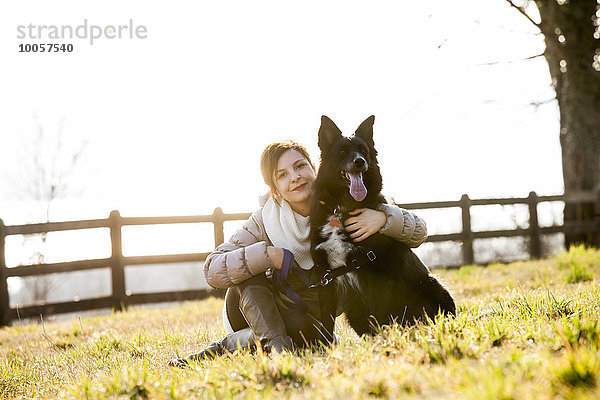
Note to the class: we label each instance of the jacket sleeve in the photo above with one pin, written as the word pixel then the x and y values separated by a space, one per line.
pixel 244 256
pixel 403 225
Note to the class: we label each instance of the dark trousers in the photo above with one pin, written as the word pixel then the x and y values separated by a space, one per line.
pixel 305 328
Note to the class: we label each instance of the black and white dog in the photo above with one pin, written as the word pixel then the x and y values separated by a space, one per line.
pixel 392 284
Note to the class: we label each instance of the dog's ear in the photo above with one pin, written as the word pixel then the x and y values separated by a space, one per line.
pixel 365 130
pixel 328 133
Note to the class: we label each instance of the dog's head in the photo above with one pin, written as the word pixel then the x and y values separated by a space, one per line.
pixel 350 162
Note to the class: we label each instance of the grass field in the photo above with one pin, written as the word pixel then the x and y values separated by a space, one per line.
pixel 524 330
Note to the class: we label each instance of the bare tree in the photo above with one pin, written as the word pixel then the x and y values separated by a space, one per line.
pixel 48 166
pixel 572 35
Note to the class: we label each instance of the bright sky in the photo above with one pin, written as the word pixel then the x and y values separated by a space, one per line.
pixel 175 123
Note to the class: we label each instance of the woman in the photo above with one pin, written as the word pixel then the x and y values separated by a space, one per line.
pixel 252 312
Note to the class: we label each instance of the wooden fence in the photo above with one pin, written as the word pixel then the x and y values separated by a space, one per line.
pixel 117 262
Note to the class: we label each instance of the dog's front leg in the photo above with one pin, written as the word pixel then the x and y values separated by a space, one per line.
pixel 318 252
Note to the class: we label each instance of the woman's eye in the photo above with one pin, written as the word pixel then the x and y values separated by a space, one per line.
pixel 301 165
pixel 281 176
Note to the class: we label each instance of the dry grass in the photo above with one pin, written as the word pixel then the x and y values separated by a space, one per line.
pixel 524 330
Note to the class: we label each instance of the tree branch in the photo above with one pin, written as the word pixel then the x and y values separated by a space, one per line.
pixel 511 61
pixel 538 104
pixel 522 11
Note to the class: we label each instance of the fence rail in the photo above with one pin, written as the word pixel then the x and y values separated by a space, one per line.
pixel 117 262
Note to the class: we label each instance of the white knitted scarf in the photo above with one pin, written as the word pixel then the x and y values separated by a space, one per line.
pixel 289 230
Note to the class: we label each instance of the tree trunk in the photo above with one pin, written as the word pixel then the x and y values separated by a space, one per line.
pixel 573 55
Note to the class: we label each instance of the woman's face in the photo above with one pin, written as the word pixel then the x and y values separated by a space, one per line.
pixel 294 178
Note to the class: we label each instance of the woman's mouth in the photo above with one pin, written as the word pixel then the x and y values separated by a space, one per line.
pixel 299 187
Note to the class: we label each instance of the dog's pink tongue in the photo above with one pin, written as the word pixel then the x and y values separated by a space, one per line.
pixel 358 191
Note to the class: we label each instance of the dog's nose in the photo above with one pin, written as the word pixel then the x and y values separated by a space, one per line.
pixel 359 162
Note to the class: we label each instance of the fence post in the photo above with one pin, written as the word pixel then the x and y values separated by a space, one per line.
pixel 117 268
pixel 467 234
pixel 218 226
pixel 4 298
pixel 534 227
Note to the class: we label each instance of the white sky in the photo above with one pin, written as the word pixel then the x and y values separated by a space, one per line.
pixel 176 122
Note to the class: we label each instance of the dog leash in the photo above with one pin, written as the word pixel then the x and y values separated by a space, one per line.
pixel 280 281
pixel 326 297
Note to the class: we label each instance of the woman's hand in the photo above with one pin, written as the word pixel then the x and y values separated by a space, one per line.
pixel 276 256
pixel 364 222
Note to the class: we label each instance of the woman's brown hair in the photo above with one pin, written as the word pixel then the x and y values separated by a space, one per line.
pixel 270 157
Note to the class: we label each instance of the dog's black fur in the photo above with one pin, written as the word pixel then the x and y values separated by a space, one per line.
pixel 396 286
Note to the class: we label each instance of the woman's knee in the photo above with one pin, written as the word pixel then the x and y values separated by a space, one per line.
pixel 256 280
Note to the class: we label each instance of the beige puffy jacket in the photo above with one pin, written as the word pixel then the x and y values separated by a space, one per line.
pixel 245 254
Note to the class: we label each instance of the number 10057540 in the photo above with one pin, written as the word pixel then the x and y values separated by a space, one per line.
pixel 45 48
